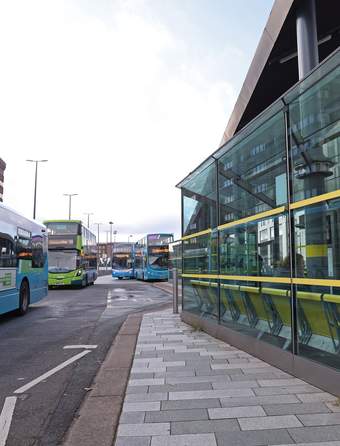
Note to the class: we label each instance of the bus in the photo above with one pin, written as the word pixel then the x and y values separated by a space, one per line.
pixel 152 257
pixel 123 260
pixel 72 254
pixel 23 261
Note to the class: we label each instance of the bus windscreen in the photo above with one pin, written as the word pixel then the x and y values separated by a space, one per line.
pixel 121 261
pixel 62 261
pixel 158 256
pixel 62 228
pixel 159 239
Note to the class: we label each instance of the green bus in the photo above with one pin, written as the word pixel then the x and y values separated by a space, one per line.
pixel 72 254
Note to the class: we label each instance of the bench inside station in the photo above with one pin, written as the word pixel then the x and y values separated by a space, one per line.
pixel 268 309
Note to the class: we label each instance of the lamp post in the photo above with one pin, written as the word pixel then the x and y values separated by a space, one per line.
pixel 35 183
pixel 88 218
pixel 129 238
pixel 69 203
pixel 98 258
pixel 111 247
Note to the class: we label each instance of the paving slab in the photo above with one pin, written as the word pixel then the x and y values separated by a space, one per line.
pixel 189 389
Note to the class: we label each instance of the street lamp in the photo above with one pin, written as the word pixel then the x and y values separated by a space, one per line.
pixel 98 257
pixel 35 183
pixel 111 247
pixel 69 203
pixel 88 218
pixel 129 238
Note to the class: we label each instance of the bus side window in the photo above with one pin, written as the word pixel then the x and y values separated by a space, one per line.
pixel 24 248
pixel 37 252
pixel 7 253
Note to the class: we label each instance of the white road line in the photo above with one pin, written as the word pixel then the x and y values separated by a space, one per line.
pixel 80 346
pixel 6 418
pixel 51 372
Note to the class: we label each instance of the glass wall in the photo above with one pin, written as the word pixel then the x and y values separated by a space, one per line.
pixel 314 129
pixel 201 296
pixel 318 313
pixel 175 257
pixel 200 201
pixel 254 248
pixel 252 174
pixel 258 309
pixel 200 254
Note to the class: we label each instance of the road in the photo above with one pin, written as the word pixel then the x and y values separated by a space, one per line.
pixel 34 344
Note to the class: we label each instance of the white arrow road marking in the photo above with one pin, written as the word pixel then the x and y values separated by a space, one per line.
pixel 51 372
pixel 6 418
pixel 80 346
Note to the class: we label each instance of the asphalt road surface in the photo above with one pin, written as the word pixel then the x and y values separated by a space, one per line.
pixel 33 345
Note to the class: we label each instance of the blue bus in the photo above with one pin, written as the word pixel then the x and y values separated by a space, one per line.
pixel 23 261
pixel 123 260
pixel 152 257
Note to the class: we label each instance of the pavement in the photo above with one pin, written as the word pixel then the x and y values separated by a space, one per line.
pixel 187 388
pixel 43 380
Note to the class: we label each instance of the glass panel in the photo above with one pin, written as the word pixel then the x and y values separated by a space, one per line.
pixel 317 232
pixel 200 254
pixel 315 138
pixel 262 310
pixel 257 248
pixel 63 228
pixel 318 311
pixel 252 174
pixel 158 256
pixel 199 201
pixel 62 261
pixel 200 296
pixel 175 257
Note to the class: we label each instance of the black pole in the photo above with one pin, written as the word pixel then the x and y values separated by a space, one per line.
pixel 307 38
pixel 35 189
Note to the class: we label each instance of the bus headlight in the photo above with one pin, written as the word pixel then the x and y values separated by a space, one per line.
pixel 79 272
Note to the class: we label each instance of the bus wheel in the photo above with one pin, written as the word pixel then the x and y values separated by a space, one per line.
pixel 24 297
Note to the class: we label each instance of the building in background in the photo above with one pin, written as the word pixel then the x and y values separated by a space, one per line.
pixel 2 171
pixel 261 215
pixel 105 254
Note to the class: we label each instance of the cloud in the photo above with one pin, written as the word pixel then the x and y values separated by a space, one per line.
pixel 116 105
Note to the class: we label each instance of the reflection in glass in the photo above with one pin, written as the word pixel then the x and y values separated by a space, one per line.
pixel 199 201
pixel 315 143
pixel 257 248
pixel 317 232
pixel 252 174
pixel 200 254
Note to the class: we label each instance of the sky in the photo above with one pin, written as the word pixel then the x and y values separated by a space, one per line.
pixel 124 98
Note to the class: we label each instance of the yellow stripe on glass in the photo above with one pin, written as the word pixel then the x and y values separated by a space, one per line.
pixel 314 200
pixel 286 280
pixel 259 216
pixel 197 234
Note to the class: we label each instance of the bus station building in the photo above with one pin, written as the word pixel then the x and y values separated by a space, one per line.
pixel 261 215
